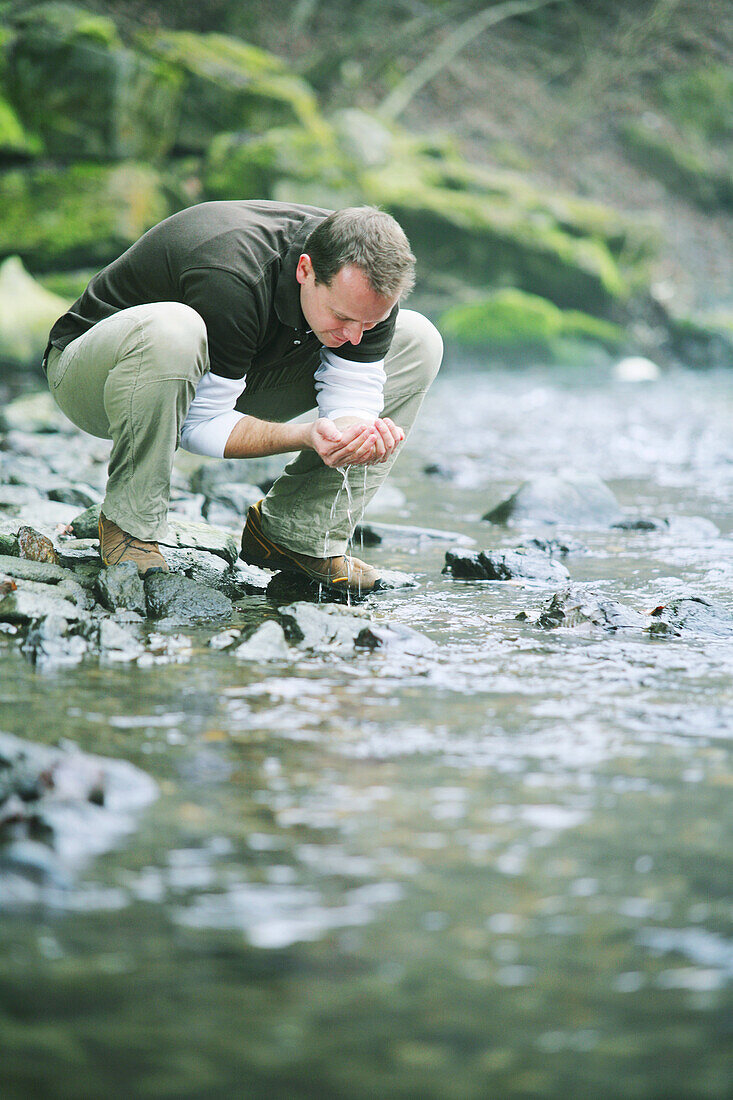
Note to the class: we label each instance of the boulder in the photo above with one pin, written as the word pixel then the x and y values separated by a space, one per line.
pixel 581 501
pixel 170 596
pixel 695 615
pixel 320 628
pixel 87 95
pixel 81 214
pixel 120 586
pixel 228 85
pixel 504 565
pixel 201 536
pixel 581 607
pixel 266 643
pixel 27 312
pixel 53 641
pixel 394 637
pixel 28 604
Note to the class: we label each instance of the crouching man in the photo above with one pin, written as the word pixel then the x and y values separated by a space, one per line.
pixel 215 329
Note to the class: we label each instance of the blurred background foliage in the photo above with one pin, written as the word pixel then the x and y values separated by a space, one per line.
pixel 564 168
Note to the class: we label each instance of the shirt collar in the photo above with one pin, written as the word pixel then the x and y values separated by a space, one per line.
pixel 287 291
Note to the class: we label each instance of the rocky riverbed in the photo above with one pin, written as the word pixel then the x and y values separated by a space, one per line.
pixel 466 837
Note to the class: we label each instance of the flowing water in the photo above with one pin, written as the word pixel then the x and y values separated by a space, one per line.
pixel 501 869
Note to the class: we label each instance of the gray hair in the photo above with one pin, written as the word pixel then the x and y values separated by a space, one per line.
pixel 369 239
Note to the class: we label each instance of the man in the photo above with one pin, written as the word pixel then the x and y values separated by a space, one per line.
pixel 215 329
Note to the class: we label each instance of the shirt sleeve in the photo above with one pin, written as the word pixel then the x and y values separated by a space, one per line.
pixel 211 415
pixel 346 388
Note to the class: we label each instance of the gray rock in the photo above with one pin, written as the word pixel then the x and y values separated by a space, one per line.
pixel 504 565
pixel 201 536
pixel 121 586
pixel 576 606
pixel 225 639
pixel 583 501
pixel 556 547
pixel 320 628
pixel 27 604
pixel 118 643
pixel 86 525
pixel 52 641
pixel 267 643
pixel 373 534
pixel 35 412
pixel 394 637
pixel 27 569
pixel 251 471
pixel 390 579
pixel 8 545
pixel 229 501
pixel 170 596
pixel 692 615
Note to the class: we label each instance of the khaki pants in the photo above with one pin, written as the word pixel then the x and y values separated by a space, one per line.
pixel 132 377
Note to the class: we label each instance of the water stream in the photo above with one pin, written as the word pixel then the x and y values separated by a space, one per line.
pixel 501 869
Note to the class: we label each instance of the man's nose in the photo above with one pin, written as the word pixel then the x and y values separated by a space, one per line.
pixel 354 333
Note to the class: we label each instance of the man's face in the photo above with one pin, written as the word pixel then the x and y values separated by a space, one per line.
pixel 342 312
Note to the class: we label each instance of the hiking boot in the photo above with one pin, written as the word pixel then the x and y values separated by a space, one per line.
pixel 116 546
pixel 347 574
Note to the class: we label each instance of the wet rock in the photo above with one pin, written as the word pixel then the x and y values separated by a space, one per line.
pixel 36 547
pixel 81 496
pixel 118 642
pixel 581 607
pixel 53 641
pixel 35 412
pixel 373 534
pixel 267 643
pixel 9 545
pixel 235 581
pixel 58 808
pixel 165 649
pixel 390 579
pixel 30 570
pixel 641 525
pixel 170 596
pixel 201 536
pixel 394 637
pixel 557 547
pixel 251 473
pixel 636 368
pixel 320 628
pixel 583 501
pixel 225 639
pixel 504 565
pixel 120 586
pixel 692 615
pixel 26 604
pixel 86 525
pixel 229 501
pixel 285 587
pixel 7 586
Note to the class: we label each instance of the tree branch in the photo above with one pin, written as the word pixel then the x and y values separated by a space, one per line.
pixel 395 103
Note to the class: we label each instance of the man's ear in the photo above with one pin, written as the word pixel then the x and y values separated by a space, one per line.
pixel 304 268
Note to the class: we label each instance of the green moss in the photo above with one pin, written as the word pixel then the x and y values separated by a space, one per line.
pixel 72 81
pixel 229 86
pixel 86 214
pixel 690 170
pixel 240 167
pixel 14 141
pixel 701 100
pixel 511 321
pixel 67 284
pixel 491 240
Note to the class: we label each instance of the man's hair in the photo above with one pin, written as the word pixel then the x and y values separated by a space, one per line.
pixel 369 239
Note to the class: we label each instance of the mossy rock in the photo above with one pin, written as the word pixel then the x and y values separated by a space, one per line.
pixel 74 83
pixel 84 214
pixel 490 240
pixel 685 165
pixel 251 167
pixel 27 312
pixel 230 86
pixel 511 322
pixel 703 341
pixel 15 142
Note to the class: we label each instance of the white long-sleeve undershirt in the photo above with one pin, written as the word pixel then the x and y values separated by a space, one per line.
pixel 343 388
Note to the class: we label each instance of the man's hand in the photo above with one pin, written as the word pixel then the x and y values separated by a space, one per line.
pixel 356 444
